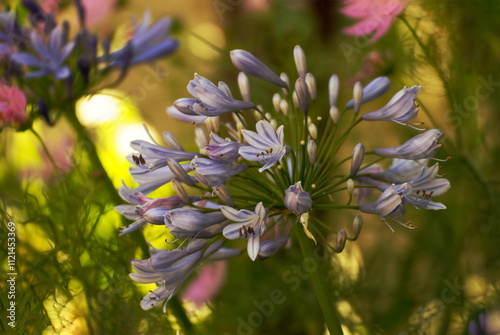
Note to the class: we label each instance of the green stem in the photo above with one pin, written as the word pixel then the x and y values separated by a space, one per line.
pixel 180 314
pixel 321 287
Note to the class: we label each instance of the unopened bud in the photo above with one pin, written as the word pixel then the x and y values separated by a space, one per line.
pixel 341 239
pixel 171 141
pixel 357 224
pixel 179 172
pixel 302 95
pixel 333 89
pixel 311 151
pixel 213 123
pixel 257 115
pixel 313 130
pixel 295 99
pixel 350 186
pixel 311 85
pixel 180 191
pixel 334 114
pixel 201 140
pixel 268 116
pixel 270 247
pixel 224 195
pixel 225 89
pixel 357 96
pixel 284 107
pixel 276 102
pixel 300 61
pixel 285 78
pixel 357 158
pixel 244 86
pixel 274 123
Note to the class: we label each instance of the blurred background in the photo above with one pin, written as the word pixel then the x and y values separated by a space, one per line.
pixel 442 278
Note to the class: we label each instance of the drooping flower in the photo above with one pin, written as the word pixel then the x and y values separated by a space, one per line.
pixel 50 60
pixel 214 173
pixel 421 146
pixel 223 150
pixel 401 170
pixel 400 109
pixel 375 89
pixel 297 200
pixel 147 44
pixel 188 222
pixel 376 16
pixel 251 65
pixel 265 146
pixel 12 106
pixel 249 225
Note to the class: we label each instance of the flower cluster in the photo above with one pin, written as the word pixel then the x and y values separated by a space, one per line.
pixel 265 169
pixel 52 70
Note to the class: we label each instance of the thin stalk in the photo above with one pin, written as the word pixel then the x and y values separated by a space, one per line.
pixel 321 287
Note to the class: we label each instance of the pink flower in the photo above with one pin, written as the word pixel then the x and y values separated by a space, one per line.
pixel 376 16
pixel 12 105
pixel 207 284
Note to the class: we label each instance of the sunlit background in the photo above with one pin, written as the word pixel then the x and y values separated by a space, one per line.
pixel 434 280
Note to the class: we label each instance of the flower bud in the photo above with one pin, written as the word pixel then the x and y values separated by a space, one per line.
pixel 311 151
pixel 357 158
pixel 300 61
pixel 276 101
pixel 341 239
pixel 313 130
pixel 270 247
pixel 251 65
pixel 334 114
pixel 274 123
pixel 171 141
pixel 257 115
pixel 302 95
pixel 357 224
pixel 285 78
pixel 213 123
pixel 268 116
pixel 297 200
pixel 224 195
pixel 180 191
pixel 350 186
pixel 376 88
pixel 179 172
pixel 225 89
pixel 295 99
pixel 284 107
pixel 357 96
pixel 311 85
pixel 244 86
pixel 201 140
pixel 333 89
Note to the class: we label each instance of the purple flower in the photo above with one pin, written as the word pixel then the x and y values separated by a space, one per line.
pixel 248 63
pixel 222 150
pixel 265 146
pixel 421 146
pixel 188 222
pixel 213 173
pixel 249 225
pixel 50 60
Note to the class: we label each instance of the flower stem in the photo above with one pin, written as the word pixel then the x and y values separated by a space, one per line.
pixel 321 287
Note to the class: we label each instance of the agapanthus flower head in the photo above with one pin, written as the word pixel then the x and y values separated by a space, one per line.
pixel 252 177
pixel 12 106
pixel 375 17
pixel 51 57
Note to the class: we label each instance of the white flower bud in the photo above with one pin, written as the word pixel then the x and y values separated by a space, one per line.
pixel 313 130
pixel 300 61
pixel 333 89
pixel 350 186
pixel 274 123
pixel 285 78
pixel 334 114
pixel 201 140
pixel 276 101
pixel 284 107
pixel 357 158
pixel 295 99
pixel 257 115
pixel 311 151
pixel 213 123
pixel 357 224
pixel 357 96
pixel 244 86
pixel 311 85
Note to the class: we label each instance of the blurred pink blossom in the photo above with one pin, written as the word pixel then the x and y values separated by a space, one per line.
pixel 257 5
pixel 376 16
pixel 207 284
pixel 12 105
pixel 96 10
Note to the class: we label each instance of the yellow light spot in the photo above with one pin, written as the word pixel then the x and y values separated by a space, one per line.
pixel 97 109
pixel 202 36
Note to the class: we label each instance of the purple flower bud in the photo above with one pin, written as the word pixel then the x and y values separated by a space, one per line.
pixel 297 200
